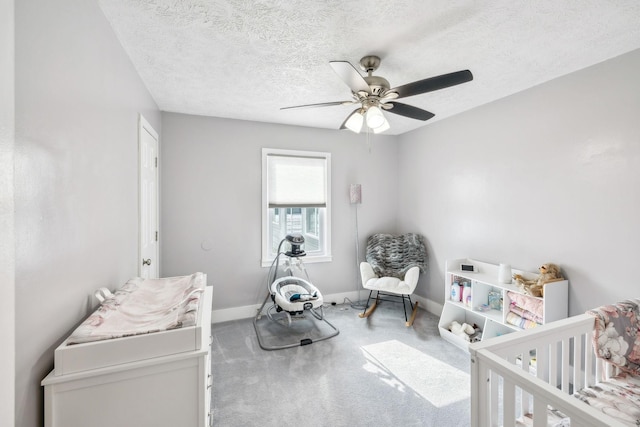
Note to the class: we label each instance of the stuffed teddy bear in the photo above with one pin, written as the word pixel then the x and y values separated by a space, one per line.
pixel 463 331
pixel 548 273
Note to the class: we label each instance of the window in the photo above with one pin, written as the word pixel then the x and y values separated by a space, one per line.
pixel 296 199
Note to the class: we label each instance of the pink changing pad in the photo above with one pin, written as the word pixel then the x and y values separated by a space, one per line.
pixel 143 306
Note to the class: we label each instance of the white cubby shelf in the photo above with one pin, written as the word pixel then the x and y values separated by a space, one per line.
pixel 493 322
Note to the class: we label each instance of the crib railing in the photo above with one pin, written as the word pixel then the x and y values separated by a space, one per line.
pixel 534 372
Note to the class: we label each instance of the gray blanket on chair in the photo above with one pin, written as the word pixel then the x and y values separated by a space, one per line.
pixel 393 256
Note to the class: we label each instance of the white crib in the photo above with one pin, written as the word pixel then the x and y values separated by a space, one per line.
pixel 525 378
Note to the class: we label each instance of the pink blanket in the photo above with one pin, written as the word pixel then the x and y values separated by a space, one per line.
pixel 142 306
pixel 531 304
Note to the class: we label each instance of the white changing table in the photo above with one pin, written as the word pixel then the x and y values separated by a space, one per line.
pixel 161 391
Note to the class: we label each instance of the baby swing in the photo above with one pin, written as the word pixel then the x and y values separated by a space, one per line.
pixel 291 295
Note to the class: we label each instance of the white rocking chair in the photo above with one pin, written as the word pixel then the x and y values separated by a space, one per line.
pixel 392 269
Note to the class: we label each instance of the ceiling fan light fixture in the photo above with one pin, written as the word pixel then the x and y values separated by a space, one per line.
pixel 355 122
pixel 374 117
pixel 383 127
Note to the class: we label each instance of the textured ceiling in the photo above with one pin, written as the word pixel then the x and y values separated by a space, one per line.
pixel 245 59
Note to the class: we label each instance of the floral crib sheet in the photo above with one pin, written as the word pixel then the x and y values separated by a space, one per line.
pixel 618 397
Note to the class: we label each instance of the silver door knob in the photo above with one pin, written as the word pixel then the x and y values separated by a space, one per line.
pixel 146 261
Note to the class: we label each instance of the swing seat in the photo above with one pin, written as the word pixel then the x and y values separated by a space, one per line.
pixel 294 295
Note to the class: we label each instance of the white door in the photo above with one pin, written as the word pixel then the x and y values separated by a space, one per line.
pixel 148 259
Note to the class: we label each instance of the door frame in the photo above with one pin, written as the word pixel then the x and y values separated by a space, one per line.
pixel 144 126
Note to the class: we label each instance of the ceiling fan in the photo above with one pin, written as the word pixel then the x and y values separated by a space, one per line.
pixel 374 94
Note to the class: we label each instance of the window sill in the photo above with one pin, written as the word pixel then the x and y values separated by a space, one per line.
pixel 306 259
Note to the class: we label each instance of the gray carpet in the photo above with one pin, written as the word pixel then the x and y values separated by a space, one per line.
pixel 376 372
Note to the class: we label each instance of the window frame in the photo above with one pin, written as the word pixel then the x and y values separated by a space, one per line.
pixel 325 256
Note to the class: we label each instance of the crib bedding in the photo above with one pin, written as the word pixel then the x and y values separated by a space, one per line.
pixel 618 397
pixel 616 337
pixel 144 306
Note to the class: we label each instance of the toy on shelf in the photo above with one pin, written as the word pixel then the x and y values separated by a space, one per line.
pixel 467 332
pixel 535 287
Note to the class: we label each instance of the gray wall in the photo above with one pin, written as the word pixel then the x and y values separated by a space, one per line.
pixel 7 247
pixel 211 190
pixel 550 174
pixel 76 196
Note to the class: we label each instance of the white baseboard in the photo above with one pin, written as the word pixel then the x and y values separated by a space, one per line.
pixel 235 313
pixel 247 311
pixel 429 305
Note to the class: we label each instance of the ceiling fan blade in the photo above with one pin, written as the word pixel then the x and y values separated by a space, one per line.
pixel 322 104
pixel 408 111
pixel 433 83
pixel 350 76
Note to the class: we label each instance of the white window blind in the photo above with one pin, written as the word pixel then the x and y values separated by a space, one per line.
pixel 295 181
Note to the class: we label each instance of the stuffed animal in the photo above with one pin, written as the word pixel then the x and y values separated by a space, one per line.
pixel 548 273
pixel 463 331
